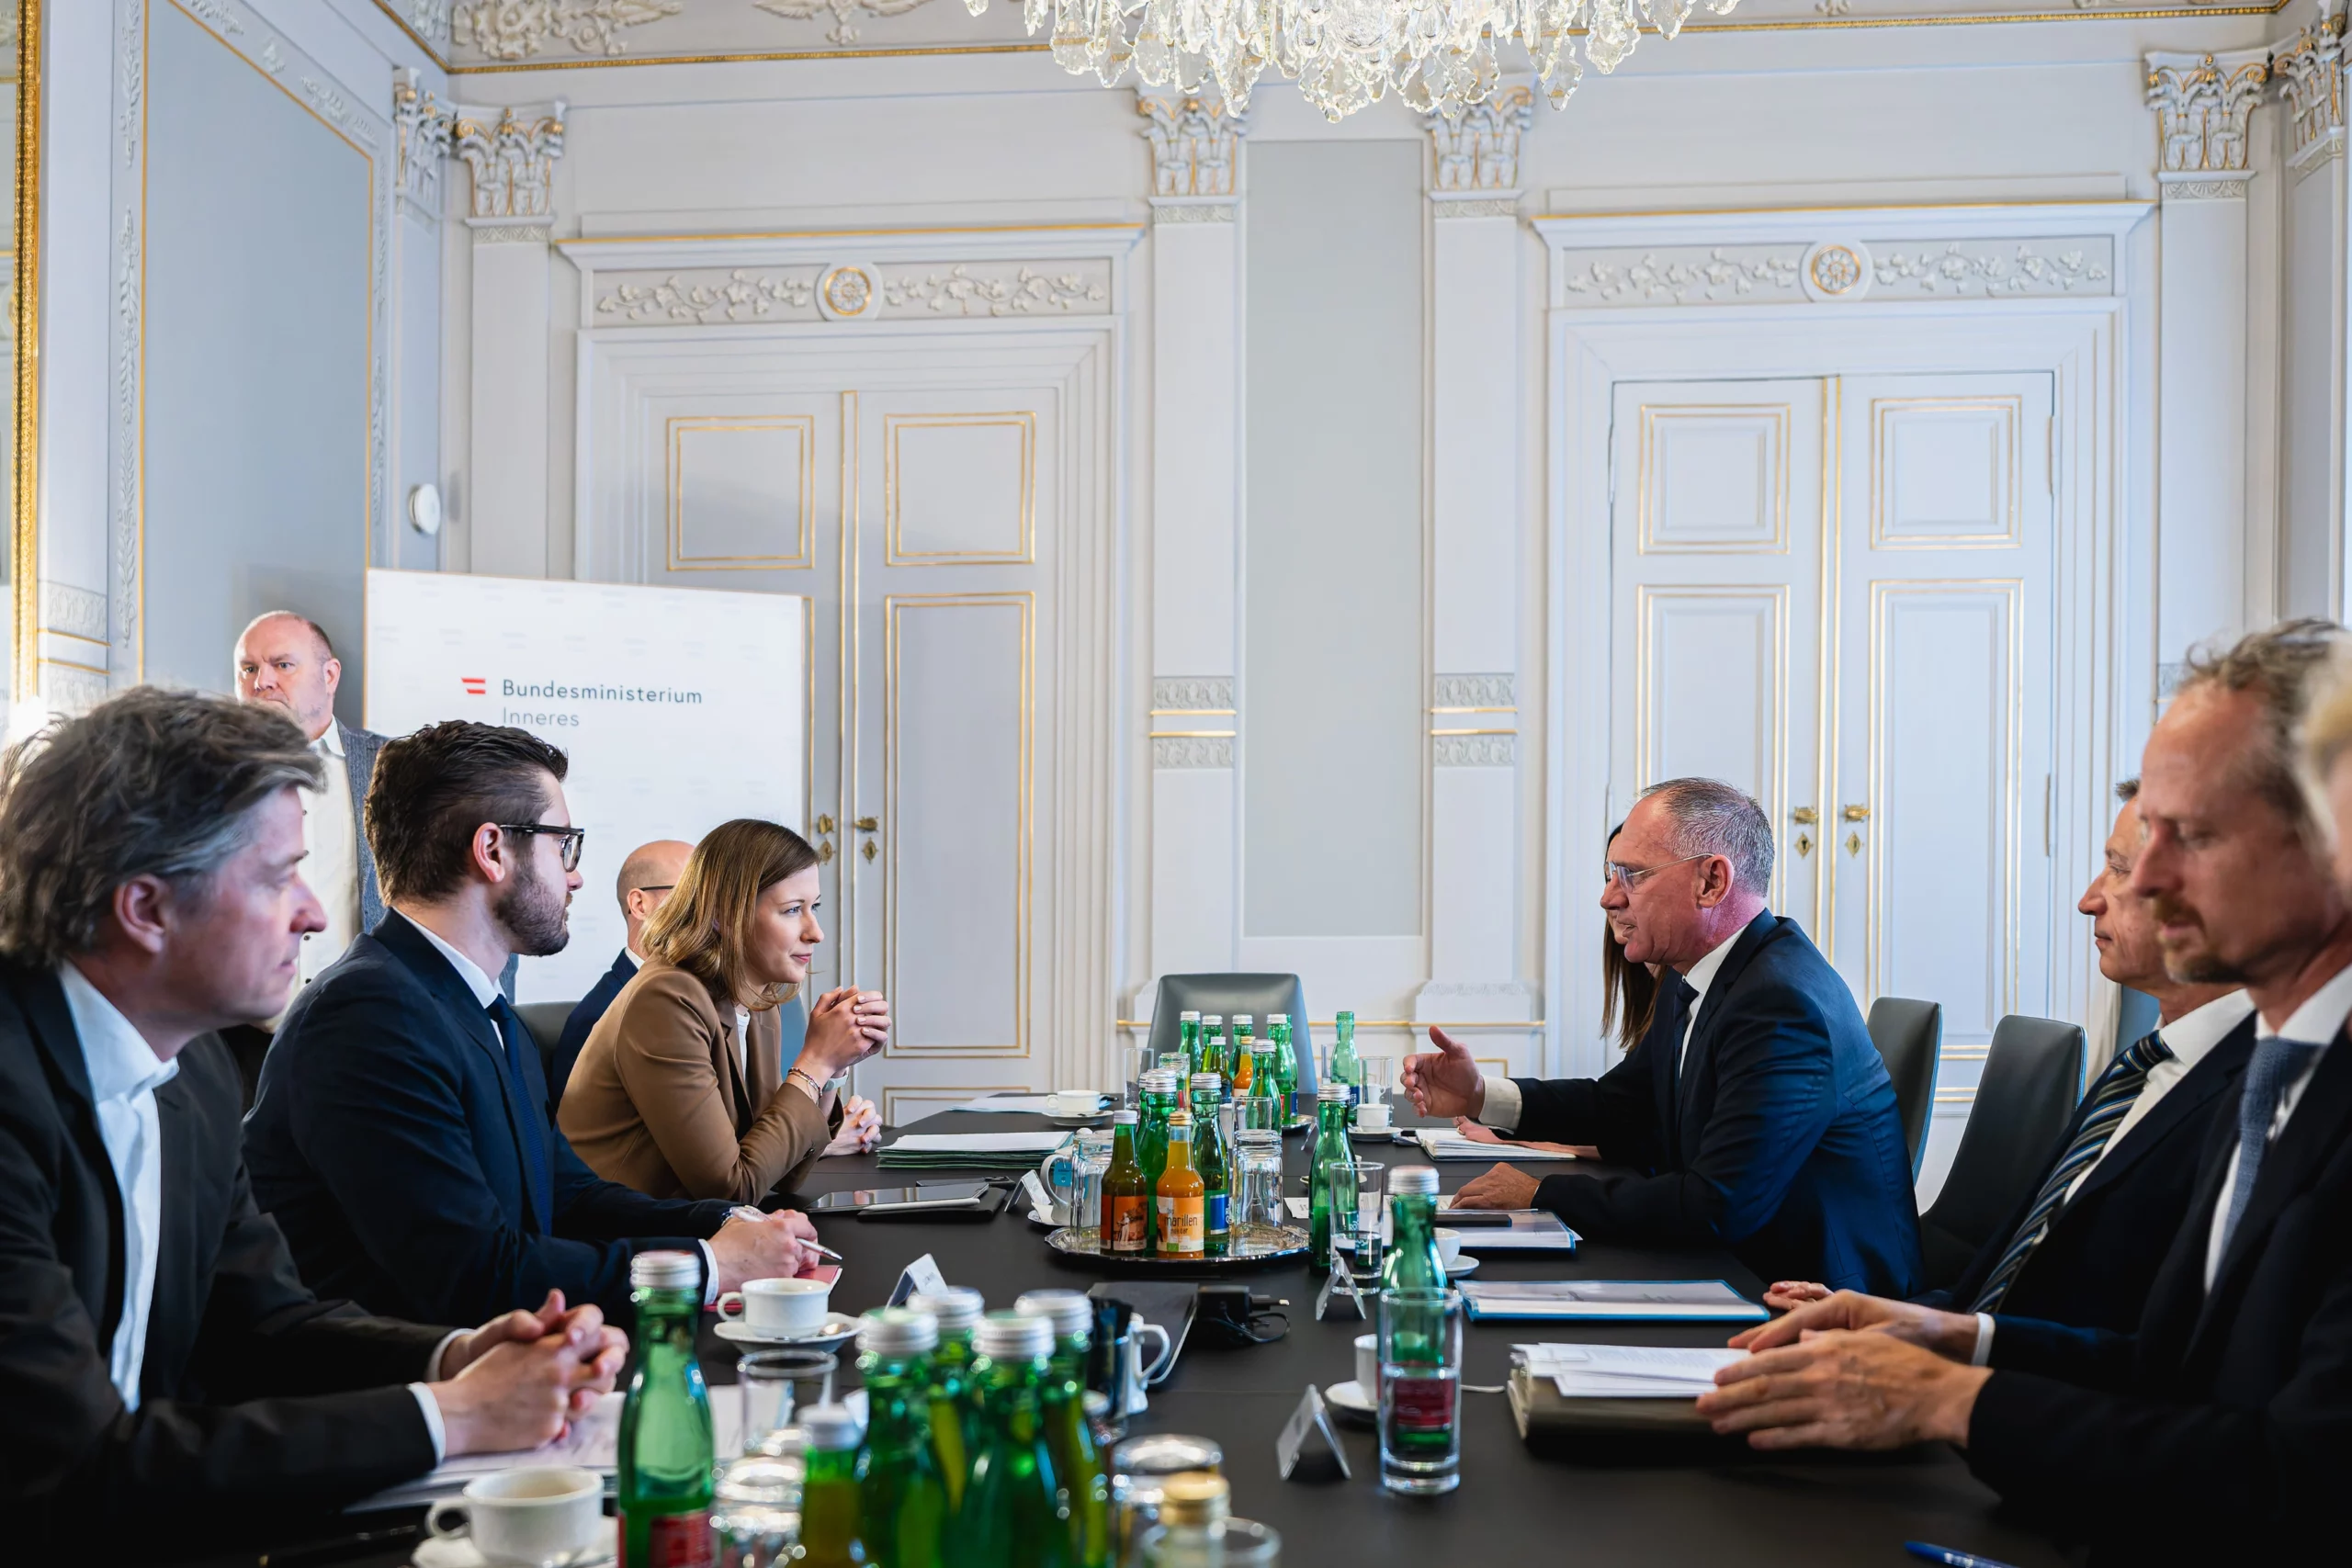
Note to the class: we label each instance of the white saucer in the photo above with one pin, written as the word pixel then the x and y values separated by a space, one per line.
pixel 836 1328
pixel 1460 1265
pixel 457 1552
pixel 1346 1398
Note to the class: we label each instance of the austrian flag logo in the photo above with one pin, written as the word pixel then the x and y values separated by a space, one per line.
pixel 476 685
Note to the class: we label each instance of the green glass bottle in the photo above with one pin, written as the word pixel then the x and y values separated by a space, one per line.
pixel 1238 1064
pixel 1278 1036
pixel 1331 1142
pixel 1188 1034
pixel 1160 1098
pixel 833 1533
pixel 1012 1515
pixel 901 1498
pixel 1345 1068
pixel 1414 1262
pixel 955 1407
pixel 667 1448
pixel 1209 1159
pixel 1077 1462
pixel 1213 1045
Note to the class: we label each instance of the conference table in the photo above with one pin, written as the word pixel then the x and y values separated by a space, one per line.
pixel 1719 1504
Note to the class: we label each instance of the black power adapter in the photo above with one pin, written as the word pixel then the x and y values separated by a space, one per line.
pixel 1228 1316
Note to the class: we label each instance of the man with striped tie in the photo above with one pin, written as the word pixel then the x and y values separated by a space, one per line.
pixel 2220 1428
pixel 2085 1242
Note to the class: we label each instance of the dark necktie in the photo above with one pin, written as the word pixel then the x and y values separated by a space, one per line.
pixel 2111 1099
pixel 2275 1065
pixel 539 1183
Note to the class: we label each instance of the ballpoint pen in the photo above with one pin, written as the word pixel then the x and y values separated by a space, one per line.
pixel 1948 1557
pixel 827 1253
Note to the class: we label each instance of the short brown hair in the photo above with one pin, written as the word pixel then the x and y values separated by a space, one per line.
pixel 432 789
pixel 703 926
pixel 151 782
pixel 2278 665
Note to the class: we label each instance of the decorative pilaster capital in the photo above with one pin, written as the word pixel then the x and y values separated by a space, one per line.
pixel 2309 73
pixel 1196 146
pixel 421 129
pixel 1479 152
pixel 2201 103
pixel 512 157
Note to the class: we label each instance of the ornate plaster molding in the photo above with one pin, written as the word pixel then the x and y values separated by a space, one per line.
pixel 963 291
pixel 71 691
pixel 1175 212
pixel 421 134
pixel 2198 187
pixel 1191 752
pixel 431 20
pixel 2201 103
pixel 1477 207
pixel 1480 150
pixel 512 157
pixel 1475 750
pixel 717 295
pixel 844 12
pixel 2310 74
pixel 706 295
pixel 1191 694
pixel 1195 144
pixel 517 29
pixel 490 231
pixel 2067 266
pixel 1475 690
pixel 1790 273
pixel 75 612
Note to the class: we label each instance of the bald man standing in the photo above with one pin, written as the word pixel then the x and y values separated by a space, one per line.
pixel 284 661
pixel 643 887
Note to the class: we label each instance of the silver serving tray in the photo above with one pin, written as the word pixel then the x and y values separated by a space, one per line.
pixel 1253 1246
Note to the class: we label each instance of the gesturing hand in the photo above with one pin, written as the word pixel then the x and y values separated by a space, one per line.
pixel 1444 1082
pixel 1844 1390
pixel 1951 1334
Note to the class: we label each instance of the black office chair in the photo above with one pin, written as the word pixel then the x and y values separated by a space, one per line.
pixel 1909 1036
pixel 546 1022
pixel 1257 995
pixel 2034 1076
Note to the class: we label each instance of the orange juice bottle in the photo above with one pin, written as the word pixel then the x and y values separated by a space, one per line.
pixel 1183 1197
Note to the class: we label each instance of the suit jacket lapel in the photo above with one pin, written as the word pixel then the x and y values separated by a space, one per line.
pixel 2319 1124
pixel 50 1023
pixel 2196 1091
pixel 359 749
pixel 1665 1036
pixel 1711 1012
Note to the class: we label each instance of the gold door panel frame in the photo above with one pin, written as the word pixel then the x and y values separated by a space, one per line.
pixel 1999 420
pixel 1018 549
pixel 1665 426
pixel 708 428
pixel 938 1096
pixel 897 609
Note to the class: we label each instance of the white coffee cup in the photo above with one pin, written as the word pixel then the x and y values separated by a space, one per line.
pixel 778 1306
pixel 1073 1102
pixel 1449 1245
pixel 1372 1118
pixel 535 1517
pixel 1368 1364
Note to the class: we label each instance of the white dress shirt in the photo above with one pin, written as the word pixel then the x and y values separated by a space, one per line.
pixel 2317 1022
pixel 2191 1038
pixel 124 1075
pixel 486 992
pixel 1504 1103
pixel 331 865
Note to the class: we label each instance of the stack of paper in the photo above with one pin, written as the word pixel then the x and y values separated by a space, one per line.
pixel 1624 1371
pixel 964 1151
pixel 1530 1230
pixel 1443 1143
pixel 1637 1301
pixel 1023 1104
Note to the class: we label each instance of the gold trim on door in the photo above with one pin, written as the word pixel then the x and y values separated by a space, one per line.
pixel 896 554
pixel 678 426
pixel 2011 408
pixel 24 535
pixel 1652 416
pixel 894 609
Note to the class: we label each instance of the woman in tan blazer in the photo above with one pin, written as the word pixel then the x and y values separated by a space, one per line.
pixel 678 1091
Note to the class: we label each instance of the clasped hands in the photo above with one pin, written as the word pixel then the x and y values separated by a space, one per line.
pixel 845 1026
pixel 1847 1371
pixel 515 1382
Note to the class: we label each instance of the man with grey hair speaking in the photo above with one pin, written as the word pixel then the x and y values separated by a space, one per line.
pixel 1756 1114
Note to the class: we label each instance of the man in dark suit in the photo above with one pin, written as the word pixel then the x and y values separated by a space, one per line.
pixel 402 1138
pixel 644 885
pixel 1756 1109
pixel 2083 1244
pixel 164 1377
pixel 2220 1426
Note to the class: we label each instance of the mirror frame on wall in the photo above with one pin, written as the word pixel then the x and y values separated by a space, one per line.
pixel 24 493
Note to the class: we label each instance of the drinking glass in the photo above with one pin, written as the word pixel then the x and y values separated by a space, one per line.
pixel 755 1510
pixel 1355 1214
pixel 1140 1061
pixel 1093 1160
pixel 1258 1178
pixel 1379 1073
pixel 775 1383
pixel 1420 1390
pixel 1259 1112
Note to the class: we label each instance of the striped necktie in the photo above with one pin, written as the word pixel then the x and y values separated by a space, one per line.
pixel 2276 1063
pixel 2111 1099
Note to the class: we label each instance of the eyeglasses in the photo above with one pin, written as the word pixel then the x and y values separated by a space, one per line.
pixel 568 839
pixel 655 887
pixel 1628 876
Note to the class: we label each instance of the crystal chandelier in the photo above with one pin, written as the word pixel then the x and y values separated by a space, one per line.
pixel 1438 56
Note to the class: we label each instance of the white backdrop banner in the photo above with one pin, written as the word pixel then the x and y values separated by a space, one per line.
pixel 678 709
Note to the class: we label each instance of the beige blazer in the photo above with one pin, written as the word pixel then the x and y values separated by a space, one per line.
pixel 657 1102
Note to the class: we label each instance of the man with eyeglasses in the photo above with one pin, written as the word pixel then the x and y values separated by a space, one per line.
pixel 647 879
pixel 401 1137
pixel 1756 1114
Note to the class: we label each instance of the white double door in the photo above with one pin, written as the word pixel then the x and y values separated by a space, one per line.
pixel 1835 592
pixel 922 526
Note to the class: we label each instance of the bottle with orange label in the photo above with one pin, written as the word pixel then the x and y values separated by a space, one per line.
pixel 1126 1196
pixel 1183 1197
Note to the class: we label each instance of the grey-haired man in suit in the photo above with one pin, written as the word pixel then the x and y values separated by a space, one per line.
pixel 286 661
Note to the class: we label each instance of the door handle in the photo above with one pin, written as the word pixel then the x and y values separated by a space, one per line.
pixel 825 823
pixel 1804 816
pixel 865 825
pixel 1858 814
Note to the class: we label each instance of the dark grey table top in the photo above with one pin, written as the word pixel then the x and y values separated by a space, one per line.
pixel 1514 1504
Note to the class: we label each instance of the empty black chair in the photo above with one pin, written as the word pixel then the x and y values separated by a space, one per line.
pixel 546 1020
pixel 1909 1036
pixel 1257 995
pixel 2033 1076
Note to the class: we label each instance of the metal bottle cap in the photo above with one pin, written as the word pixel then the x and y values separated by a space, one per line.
pixel 830 1427
pixel 665 1271
pixel 897 1331
pixel 1071 1312
pixel 1013 1337
pixel 956 1308
pixel 1195 1498
pixel 1167 1453
pixel 1190 1015
pixel 1123 1118
pixel 1278 1018
pixel 1202 1081
pixel 1418 1179
pixel 1338 1091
